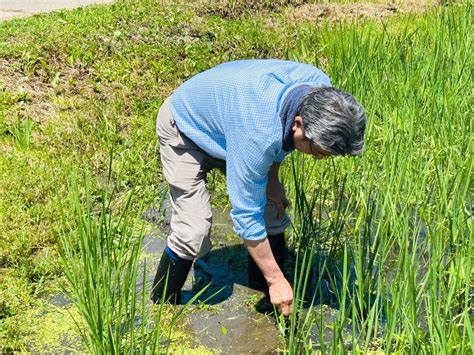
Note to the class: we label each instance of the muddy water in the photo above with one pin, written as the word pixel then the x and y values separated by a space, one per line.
pixel 236 320
pixel 225 318
pixel 234 326
pixel 228 316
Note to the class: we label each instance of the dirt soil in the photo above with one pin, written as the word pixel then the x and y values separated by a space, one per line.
pixel 354 11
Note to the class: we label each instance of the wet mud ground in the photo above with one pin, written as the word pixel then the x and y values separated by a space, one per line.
pixel 224 318
pixel 237 319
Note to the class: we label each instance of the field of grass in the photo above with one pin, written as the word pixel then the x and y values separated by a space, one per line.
pixel 390 232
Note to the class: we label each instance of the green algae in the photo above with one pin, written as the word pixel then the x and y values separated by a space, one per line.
pixel 55 330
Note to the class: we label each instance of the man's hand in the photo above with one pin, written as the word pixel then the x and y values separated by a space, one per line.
pixel 281 293
pixel 275 190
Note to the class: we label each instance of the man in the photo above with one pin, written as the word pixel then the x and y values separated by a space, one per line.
pixel 244 117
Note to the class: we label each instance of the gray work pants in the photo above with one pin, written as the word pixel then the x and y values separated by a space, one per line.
pixel 185 167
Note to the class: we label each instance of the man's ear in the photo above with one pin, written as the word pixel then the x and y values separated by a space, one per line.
pixel 297 123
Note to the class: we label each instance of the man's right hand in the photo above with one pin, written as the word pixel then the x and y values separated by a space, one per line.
pixel 281 295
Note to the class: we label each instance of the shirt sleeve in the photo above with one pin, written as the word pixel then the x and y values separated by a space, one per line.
pixel 248 162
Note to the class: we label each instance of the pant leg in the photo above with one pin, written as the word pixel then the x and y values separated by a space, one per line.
pixel 182 160
pixel 273 224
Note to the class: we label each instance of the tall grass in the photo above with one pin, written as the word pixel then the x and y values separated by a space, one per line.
pixel 393 228
pixel 100 261
pixel 100 253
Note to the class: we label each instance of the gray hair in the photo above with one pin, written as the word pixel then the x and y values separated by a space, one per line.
pixel 333 120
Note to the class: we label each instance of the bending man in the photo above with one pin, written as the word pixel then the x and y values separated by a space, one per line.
pixel 244 117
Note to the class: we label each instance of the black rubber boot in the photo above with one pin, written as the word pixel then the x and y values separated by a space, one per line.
pixel 177 270
pixel 278 245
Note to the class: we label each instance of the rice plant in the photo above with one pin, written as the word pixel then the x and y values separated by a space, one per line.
pixel 394 226
pixel 100 252
pixel 100 262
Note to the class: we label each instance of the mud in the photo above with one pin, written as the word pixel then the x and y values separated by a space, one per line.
pixel 235 326
pixel 239 319
pixel 224 318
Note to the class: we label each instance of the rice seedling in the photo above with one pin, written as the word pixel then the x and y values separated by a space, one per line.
pixel 100 253
pixel 396 223
pixel 101 268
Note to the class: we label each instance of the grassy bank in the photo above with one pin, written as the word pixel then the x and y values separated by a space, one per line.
pixel 73 84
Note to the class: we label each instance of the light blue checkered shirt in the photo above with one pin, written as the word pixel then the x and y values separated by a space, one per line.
pixel 232 112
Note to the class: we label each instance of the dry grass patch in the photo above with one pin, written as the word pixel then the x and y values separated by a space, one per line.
pixel 29 93
pixel 41 83
pixel 353 11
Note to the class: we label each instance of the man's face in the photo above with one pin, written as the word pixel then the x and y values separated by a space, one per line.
pixel 318 153
pixel 304 144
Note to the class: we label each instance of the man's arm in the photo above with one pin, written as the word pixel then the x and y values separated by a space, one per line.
pixel 247 180
pixel 281 293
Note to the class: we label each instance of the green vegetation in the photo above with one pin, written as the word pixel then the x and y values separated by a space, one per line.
pixel 391 230
pixel 102 268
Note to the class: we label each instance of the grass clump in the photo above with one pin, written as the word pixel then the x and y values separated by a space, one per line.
pixel 106 280
pixel 101 268
pixel 101 254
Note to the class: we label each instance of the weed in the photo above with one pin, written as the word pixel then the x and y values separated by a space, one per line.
pixel 396 221
pixel 22 132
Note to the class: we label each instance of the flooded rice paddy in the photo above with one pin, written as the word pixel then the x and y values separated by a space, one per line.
pixel 228 321
pixel 229 316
